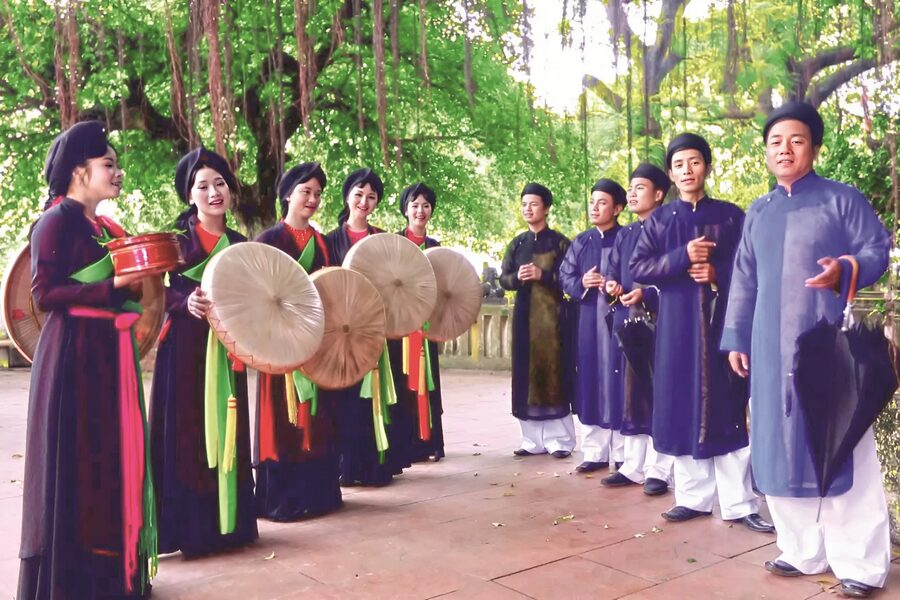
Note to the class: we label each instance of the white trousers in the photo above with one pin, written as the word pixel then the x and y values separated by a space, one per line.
pixel 643 462
pixel 548 436
pixel 852 533
pixel 599 444
pixel 697 480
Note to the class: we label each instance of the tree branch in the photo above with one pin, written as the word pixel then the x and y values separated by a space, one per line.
pixel 821 90
pixel 589 82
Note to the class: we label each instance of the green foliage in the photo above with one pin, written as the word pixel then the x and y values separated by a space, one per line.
pixel 477 158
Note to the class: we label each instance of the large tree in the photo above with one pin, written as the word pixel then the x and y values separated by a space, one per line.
pixel 416 89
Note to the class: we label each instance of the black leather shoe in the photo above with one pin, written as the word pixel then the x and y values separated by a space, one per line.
pixel 524 452
pixel 589 467
pixel 782 569
pixel 756 523
pixel 616 480
pixel 561 454
pixel 683 513
pixel 855 589
pixel 655 487
pixel 619 465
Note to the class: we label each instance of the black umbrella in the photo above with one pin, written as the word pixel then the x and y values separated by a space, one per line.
pixel 844 376
pixel 637 337
pixel 610 316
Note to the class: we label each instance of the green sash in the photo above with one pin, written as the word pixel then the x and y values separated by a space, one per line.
pixel 99 270
pixel 306 389
pixel 219 411
pixel 196 272
pixel 378 384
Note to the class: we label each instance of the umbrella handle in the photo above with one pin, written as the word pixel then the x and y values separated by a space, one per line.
pixel 854 277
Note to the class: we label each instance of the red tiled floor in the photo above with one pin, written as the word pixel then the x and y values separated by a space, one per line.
pixel 654 557
pixel 575 579
pixel 431 534
pixel 730 580
pixel 484 590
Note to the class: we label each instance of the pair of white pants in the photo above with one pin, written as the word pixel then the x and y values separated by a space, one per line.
pixel 643 462
pixel 852 533
pixel 599 444
pixel 697 480
pixel 549 435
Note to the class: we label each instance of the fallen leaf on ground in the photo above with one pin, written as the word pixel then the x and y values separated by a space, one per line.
pixel 476 444
pixel 639 535
pixel 271 556
pixel 606 527
pixel 588 476
pixel 475 474
pixel 17 455
pixel 497 524
pixel 692 560
pixel 566 517
pixel 655 529
pixel 556 474
pixel 540 472
pixel 508 494
pixel 476 454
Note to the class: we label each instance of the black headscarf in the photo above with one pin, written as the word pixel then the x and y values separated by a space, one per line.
pixel 659 178
pixel 186 171
pixel 299 174
pixel 413 192
pixel 538 190
pixel 688 141
pixel 195 160
pixel 72 148
pixel 612 188
pixel 798 111
pixel 359 178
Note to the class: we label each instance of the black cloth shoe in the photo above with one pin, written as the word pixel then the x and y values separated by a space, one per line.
pixel 524 452
pixel 655 487
pixel 683 513
pixel 782 569
pixel 756 523
pixel 616 480
pixel 855 589
pixel 619 465
pixel 589 467
pixel 561 454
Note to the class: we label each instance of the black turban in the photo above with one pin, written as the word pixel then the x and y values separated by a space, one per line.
pixel 797 111
pixel 192 162
pixel 538 190
pixel 612 188
pixel 359 178
pixel 299 174
pixel 73 148
pixel 659 178
pixel 688 141
pixel 413 192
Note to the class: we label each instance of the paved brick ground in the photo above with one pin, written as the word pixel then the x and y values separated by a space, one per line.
pixel 479 525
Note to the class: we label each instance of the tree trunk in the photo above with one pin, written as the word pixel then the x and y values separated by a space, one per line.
pixel 380 87
pixel 217 105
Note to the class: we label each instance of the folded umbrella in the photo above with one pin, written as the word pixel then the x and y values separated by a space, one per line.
pixel 637 338
pixel 844 375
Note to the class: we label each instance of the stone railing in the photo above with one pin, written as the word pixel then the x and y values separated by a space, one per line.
pixel 487 344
